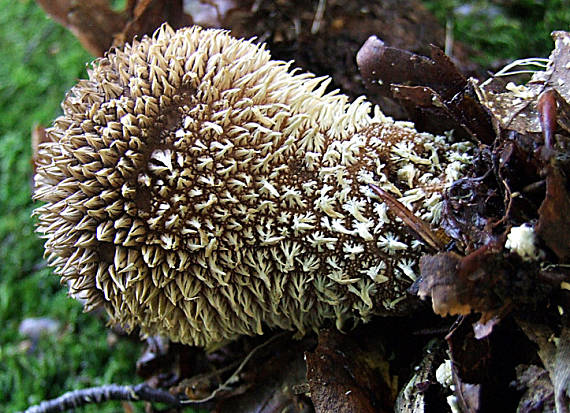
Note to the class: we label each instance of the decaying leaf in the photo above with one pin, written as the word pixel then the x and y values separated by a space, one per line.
pixel 415 224
pixel 554 352
pixel 340 381
pixel 459 285
pixel 538 394
pixel 554 222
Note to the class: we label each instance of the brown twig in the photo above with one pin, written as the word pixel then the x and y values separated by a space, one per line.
pixel 419 228
pixel 78 398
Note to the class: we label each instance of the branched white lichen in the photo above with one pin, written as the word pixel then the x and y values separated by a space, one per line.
pixel 198 189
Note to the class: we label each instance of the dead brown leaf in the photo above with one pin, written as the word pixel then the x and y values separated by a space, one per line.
pixel 340 382
pixel 416 225
pixel 461 285
pixel 436 95
pixel 93 22
pixel 554 221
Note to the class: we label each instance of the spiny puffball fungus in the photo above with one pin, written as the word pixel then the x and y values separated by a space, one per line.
pixel 197 189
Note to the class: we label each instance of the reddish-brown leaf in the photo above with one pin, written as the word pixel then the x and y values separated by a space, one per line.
pixel 554 221
pixel 340 382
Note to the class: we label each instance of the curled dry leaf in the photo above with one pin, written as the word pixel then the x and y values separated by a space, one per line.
pixel 436 94
pixel 459 285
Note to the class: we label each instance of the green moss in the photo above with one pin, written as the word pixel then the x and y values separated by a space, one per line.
pixel 505 30
pixel 39 62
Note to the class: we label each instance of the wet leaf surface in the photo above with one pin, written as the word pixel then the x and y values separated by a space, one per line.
pixel 554 222
pixel 340 381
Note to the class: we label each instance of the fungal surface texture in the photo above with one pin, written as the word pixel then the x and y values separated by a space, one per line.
pixel 195 188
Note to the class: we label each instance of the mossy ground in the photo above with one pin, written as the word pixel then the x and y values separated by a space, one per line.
pixel 39 61
pixel 503 30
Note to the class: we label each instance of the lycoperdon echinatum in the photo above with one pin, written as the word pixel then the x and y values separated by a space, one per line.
pixel 197 189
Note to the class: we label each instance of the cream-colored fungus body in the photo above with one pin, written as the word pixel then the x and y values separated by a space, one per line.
pixel 195 188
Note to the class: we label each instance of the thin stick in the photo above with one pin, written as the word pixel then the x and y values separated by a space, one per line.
pixel 420 229
pixel 78 398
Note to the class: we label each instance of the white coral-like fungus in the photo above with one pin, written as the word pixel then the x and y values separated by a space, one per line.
pixel 197 189
pixel 522 240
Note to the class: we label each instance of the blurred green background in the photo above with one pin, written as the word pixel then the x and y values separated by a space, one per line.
pixel 39 62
